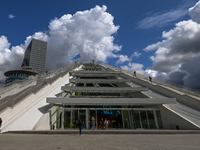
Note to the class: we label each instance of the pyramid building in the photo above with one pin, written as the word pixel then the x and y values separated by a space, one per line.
pixel 85 91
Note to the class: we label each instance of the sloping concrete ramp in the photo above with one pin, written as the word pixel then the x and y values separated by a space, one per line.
pixel 187 113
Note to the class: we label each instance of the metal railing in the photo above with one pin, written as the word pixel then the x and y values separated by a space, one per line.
pixel 17 84
pixel 40 84
pixel 169 84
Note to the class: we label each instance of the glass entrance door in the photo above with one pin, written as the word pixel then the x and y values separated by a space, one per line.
pixel 116 120
pixel 121 119
pixel 71 118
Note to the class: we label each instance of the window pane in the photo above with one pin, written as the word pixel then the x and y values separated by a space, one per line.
pixel 136 119
pixel 152 124
pixel 159 119
pixel 144 119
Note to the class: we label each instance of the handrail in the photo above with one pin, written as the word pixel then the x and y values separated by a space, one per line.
pixel 41 80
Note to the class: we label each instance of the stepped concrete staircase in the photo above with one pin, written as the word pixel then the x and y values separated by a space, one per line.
pixel 27 108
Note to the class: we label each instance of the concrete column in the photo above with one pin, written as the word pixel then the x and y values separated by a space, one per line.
pixel 62 121
pixel 87 116
pixel 130 125
pixel 156 120
pixel 96 120
pixel 50 120
pixel 71 119
pixel 147 119
pixel 132 119
pixel 130 112
pixel 140 119
pixel 122 118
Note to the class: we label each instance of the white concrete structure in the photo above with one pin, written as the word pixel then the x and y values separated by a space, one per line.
pixel 30 110
pixel 59 98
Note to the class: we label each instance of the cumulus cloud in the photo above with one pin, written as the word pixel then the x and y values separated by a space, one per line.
pixel 11 16
pixel 122 59
pixel 10 57
pixel 152 73
pixel 156 74
pixel 88 34
pixel 194 12
pixel 178 54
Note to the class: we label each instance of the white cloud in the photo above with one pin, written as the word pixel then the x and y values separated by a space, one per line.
pixel 11 16
pixel 157 74
pixel 124 58
pixel 180 45
pixel 136 54
pixel 152 73
pixel 162 19
pixel 87 33
pixel 134 67
pixel 179 52
pixel 194 12
pixel 148 72
pixel 10 57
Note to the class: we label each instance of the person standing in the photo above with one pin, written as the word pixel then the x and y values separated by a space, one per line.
pixel 80 125
pixel 106 123
pixel 0 124
pixel 150 79
pixel 93 123
pixel 102 124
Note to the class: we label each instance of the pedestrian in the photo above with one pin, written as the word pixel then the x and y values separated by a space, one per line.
pixel 0 124
pixel 106 123
pixel 150 79
pixel 80 125
pixel 93 123
pixel 134 73
pixel 102 124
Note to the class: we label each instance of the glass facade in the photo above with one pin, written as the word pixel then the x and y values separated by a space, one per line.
pixel 128 118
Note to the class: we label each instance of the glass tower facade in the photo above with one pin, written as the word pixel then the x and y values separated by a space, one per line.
pixel 35 56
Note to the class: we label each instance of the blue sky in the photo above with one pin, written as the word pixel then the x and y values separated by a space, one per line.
pixel 140 37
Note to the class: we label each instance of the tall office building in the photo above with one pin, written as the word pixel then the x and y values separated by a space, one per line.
pixel 35 56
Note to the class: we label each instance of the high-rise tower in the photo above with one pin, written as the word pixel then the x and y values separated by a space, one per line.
pixel 35 56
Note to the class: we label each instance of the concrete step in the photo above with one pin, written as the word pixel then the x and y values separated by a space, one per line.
pixel 85 131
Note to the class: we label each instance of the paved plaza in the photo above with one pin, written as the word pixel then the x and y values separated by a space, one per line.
pixel 100 141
